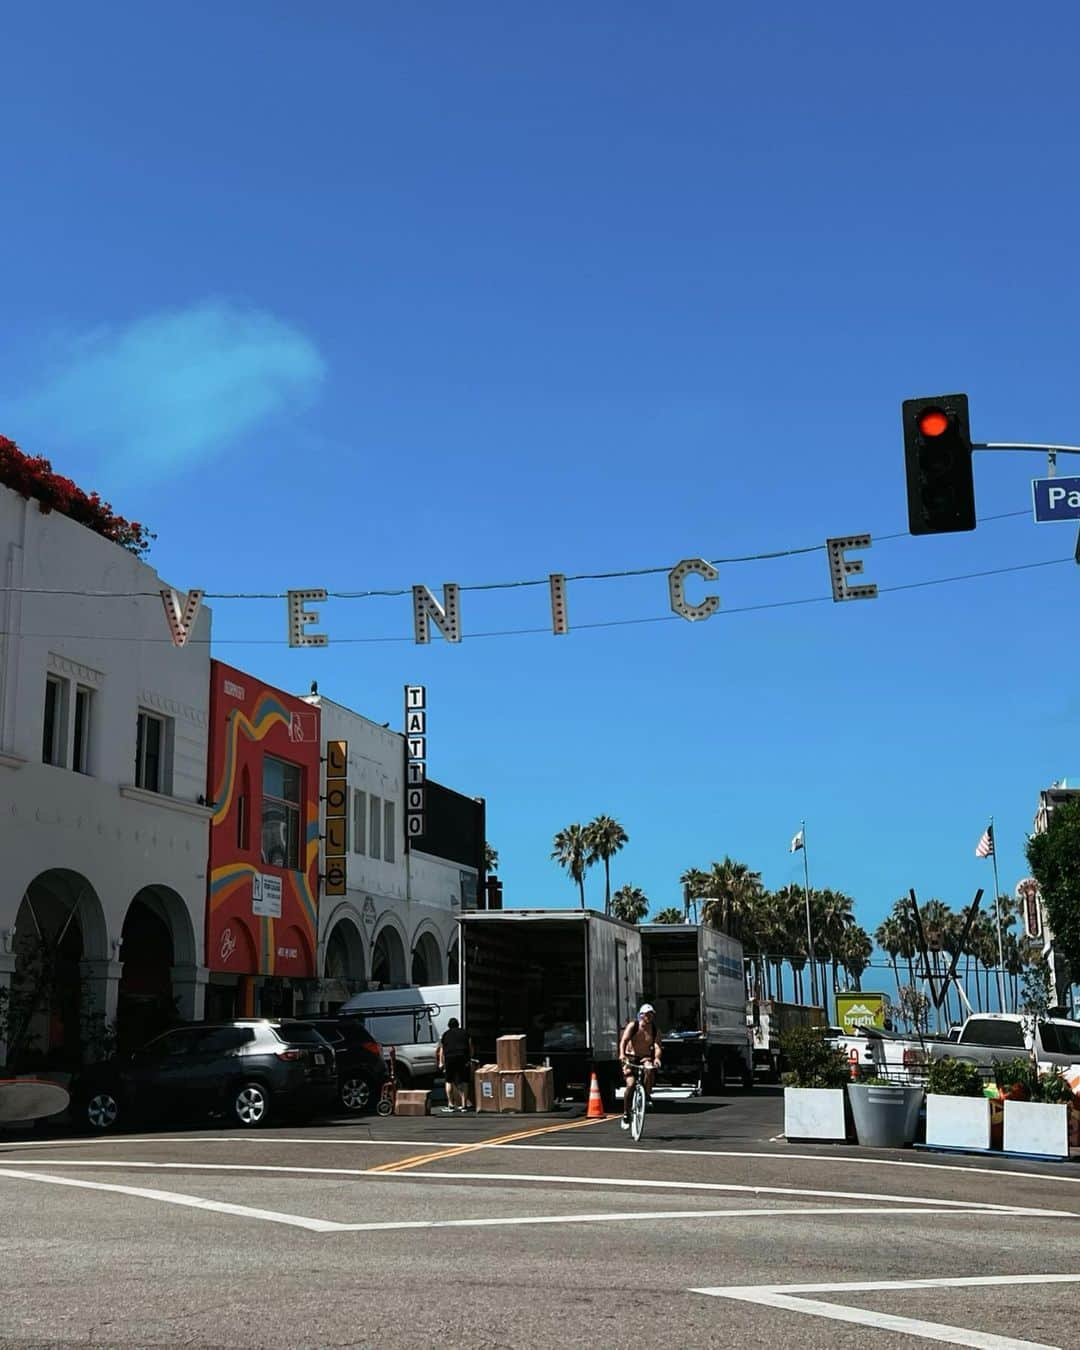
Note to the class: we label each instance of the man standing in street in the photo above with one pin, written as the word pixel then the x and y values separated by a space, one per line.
pixel 453 1056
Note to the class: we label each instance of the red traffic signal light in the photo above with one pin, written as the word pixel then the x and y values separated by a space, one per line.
pixel 933 422
pixel 937 454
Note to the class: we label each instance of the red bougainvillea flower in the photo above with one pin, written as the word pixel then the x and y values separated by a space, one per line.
pixel 32 477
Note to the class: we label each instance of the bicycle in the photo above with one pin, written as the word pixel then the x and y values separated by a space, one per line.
pixel 638 1097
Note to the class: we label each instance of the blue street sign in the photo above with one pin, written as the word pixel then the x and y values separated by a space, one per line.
pixel 1055 499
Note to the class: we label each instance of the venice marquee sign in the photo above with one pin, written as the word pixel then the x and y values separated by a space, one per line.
pixel 182 611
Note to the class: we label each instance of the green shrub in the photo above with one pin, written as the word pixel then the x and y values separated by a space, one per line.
pixel 953 1078
pixel 1052 1089
pixel 811 1063
pixel 1009 1073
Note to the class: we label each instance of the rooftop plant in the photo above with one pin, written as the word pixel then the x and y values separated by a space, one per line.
pixel 32 477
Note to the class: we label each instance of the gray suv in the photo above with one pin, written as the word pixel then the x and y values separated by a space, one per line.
pixel 250 1071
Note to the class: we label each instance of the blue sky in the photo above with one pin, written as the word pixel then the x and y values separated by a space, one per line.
pixel 362 296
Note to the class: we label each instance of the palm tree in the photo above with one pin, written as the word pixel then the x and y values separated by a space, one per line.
pixel 604 838
pixel 571 851
pixel 901 912
pixel 732 892
pixel 787 924
pixel 491 858
pixel 630 903
pixel 835 918
pixel 670 915
pixel 855 949
pixel 889 937
pixel 694 883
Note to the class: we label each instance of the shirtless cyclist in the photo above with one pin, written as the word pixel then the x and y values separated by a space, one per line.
pixel 639 1040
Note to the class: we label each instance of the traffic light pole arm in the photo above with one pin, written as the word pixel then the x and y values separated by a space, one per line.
pixel 1021 445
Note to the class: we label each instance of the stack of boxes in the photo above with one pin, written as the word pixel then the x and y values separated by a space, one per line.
pixel 509 1084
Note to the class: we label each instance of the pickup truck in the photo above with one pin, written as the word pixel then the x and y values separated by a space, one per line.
pixel 882 1053
pixel 989 1038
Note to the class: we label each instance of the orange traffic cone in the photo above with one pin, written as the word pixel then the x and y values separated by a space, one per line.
pixel 596 1105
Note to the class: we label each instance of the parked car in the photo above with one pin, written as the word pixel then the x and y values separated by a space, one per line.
pixel 987 1038
pixel 361 1068
pixel 248 1070
pixel 411 1020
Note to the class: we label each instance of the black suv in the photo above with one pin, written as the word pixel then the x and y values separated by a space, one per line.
pixel 361 1069
pixel 248 1070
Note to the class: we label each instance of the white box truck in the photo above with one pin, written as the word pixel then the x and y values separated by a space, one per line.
pixel 567 980
pixel 693 977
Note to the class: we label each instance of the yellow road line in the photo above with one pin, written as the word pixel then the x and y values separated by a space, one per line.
pixel 419 1159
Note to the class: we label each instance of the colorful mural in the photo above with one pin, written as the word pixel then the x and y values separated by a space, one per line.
pixel 262 903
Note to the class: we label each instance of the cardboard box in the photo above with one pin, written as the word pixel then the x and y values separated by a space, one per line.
pixel 539 1089
pixel 511 1090
pixel 412 1102
pixel 486 1088
pixel 510 1052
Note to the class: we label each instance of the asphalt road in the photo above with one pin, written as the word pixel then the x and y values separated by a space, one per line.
pixel 529 1231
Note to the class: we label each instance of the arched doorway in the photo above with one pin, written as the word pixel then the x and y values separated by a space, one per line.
pixel 452 963
pixel 54 1019
pixel 344 966
pixel 156 936
pixel 388 959
pixel 426 960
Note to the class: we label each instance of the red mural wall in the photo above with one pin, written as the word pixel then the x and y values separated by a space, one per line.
pixel 262 904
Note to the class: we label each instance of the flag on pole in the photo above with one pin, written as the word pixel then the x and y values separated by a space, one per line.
pixel 985 847
pixel 797 843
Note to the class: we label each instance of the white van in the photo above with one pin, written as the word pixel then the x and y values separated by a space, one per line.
pixel 411 1020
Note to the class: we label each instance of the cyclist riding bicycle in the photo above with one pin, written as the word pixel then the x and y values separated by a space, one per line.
pixel 639 1041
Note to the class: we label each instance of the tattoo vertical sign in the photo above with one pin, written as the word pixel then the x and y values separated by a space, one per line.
pixel 415 761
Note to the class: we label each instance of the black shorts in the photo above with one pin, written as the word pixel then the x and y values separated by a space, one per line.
pixel 457 1072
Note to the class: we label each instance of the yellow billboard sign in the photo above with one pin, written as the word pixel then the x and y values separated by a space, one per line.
pixel 855 1011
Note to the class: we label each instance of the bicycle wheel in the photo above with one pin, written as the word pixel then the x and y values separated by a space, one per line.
pixel 637 1112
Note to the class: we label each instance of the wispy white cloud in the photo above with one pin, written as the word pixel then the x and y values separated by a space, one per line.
pixel 170 389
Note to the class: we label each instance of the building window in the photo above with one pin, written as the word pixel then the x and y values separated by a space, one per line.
pixel 388 831
pixel 53 735
pixel 150 753
pixel 80 749
pixel 359 823
pixel 243 812
pixel 375 827
pixel 281 813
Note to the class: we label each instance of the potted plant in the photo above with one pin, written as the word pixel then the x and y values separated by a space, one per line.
pixel 813 1086
pixel 1037 1107
pixel 957 1111
pixel 886 1114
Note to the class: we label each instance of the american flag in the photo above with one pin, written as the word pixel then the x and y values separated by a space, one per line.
pixel 985 847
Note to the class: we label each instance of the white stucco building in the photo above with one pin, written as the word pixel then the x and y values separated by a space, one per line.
pixel 103 743
pixel 397 924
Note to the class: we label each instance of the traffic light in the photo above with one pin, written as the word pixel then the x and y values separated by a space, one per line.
pixel 940 474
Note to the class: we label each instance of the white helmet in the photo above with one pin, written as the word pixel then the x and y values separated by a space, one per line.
pixel 646 1008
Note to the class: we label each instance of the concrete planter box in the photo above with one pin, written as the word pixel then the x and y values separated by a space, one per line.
pixel 885 1117
pixel 814 1113
pixel 1035 1127
pixel 957 1122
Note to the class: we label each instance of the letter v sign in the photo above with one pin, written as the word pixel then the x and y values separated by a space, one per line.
pixel 181 620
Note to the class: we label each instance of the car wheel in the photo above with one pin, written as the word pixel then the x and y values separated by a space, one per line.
pixel 251 1106
pixel 102 1111
pixel 355 1094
